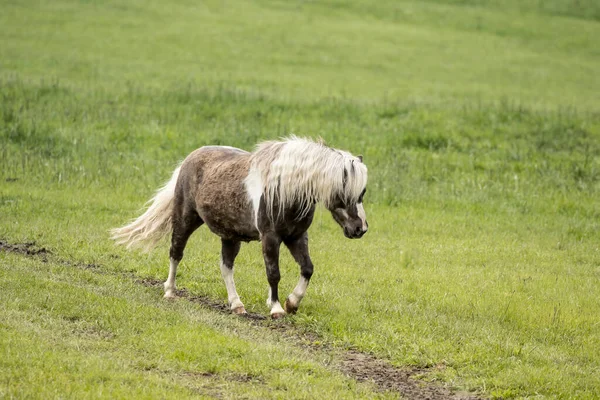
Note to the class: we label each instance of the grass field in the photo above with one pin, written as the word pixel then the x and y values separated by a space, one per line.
pixel 480 125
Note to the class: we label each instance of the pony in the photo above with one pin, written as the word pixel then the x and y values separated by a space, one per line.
pixel 268 195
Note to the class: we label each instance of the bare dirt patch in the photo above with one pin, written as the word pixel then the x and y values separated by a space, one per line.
pixel 26 248
pixel 365 367
pixel 360 366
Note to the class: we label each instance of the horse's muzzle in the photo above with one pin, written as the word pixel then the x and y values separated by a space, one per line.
pixel 355 233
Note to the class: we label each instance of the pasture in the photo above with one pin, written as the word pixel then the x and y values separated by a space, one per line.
pixel 479 123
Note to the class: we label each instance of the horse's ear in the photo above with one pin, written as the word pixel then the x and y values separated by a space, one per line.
pixel 360 158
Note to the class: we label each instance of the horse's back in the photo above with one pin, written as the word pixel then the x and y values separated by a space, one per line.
pixel 212 181
pixel 207 155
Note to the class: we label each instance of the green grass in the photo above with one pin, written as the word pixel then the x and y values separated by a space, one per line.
pixel 480 124
pixel 96 335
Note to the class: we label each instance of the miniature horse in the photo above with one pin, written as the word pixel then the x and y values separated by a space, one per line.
pixel 268 195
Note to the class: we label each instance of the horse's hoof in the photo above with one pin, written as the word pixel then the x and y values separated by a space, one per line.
pixel 239 310
pixel 277 315
pixel 170 296
pixel 289 307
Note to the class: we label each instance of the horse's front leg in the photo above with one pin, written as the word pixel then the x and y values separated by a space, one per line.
pixel 270 246
pixel 299 249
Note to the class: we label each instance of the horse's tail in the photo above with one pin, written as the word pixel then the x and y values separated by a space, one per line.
pixel 150 227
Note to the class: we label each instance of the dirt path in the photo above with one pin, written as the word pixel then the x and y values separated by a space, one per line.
pixel 360 366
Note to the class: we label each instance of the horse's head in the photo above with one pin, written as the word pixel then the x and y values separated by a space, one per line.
pixel 347 208
pixel 350 215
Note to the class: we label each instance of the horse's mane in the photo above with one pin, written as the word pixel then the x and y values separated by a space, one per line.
pixel 300 172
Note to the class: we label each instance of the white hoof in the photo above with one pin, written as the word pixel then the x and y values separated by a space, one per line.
pixel 169 291
pixel 277 311
pixel 277 315
pixel 237 307
pixel 239 310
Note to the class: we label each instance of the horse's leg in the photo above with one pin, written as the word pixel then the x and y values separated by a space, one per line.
pixel 270 246
pixel 299 250
pixel 229 250
pixel 184 224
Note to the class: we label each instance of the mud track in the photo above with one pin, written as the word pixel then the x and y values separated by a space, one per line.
pixel 363 367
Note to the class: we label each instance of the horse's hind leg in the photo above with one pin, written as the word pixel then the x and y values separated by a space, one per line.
pixel 299 249
pixel 230 250
pixel 184 224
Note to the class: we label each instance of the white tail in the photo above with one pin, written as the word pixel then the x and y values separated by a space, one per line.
pixel 147 230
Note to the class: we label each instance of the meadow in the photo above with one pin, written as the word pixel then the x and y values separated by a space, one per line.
pixel 479 123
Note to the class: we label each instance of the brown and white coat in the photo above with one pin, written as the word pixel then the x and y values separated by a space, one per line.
pixel 268 195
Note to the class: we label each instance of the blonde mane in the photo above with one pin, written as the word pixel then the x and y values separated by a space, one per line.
pixel 300 172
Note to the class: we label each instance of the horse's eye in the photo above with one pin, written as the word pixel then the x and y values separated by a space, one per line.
pixel 362 194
